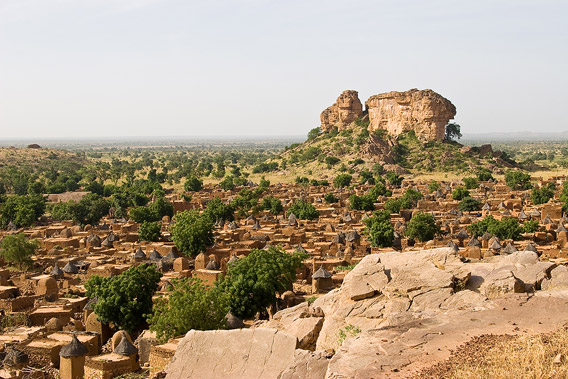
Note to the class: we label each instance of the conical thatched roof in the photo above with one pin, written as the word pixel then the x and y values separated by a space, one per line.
pixel 509 249
pixel 139 254
pixel 70 268
pixel 74 349
pixel 125 347
pixel 56 271
pixel 321 273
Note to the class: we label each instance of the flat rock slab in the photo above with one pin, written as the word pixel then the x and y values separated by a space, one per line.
pixel 240 353
pixel 403 350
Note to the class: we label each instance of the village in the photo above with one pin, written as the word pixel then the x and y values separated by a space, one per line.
pixel 49 327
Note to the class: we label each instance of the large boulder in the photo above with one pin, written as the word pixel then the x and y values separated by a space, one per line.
pixel 343 112
pixel 240 353
pixel 423 111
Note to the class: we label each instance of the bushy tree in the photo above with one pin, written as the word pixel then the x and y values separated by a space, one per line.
pixel 189 305
pixel 17 249
pixel 149 231
pixel 394 179
pixel 453 131
pixel 460 193
pixel 410 198
pixel 217 210
pixel 192 232
pixel 543 194
pixel 434 186
pixel 470 182
pixel 303 210
pixel 330 198
pixel 380 229
pixel 507 228
pixel 362 203
pixel 193 184
pixel 484 175
pixel 252 282
pixel 89 210
pixel 421 227
pixel 315 132
pixel 272 204
pixel 469 204
pixel 124 299
pixel 228 183
pixel 22 210
pixel 342 180
pixel 518 180
pixel 393 205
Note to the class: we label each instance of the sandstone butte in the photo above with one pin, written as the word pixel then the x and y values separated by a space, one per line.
pixel 424 111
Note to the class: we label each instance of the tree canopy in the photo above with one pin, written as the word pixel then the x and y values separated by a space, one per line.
pixel 18 250
pixel 192 232
pixel 124 299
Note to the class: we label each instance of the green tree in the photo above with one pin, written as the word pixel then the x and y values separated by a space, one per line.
pixel 342 180
pixel 434 186
pixel 421 227
pixel 149 231
pixel 314 133
pixel 228 184
pixel 330 198
pixel 393 206
pixel 362 203
pixel 18 250
pixel 453 131
pixel 394 179
pixel 124 299
pixel 217 210
pixel 272 204
pixel 460 193
pixel 89 210
pixel 484 175
pixel 189 305
pixel 380 229
pixel 518 180
pixel 192 232
pixel 303 210
pixel 22 210
pixel 193 184
pixel 543 194
pixel 252 282
pixel 469 204
pixel 470 182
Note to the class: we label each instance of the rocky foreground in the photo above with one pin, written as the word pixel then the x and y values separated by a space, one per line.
pixel 394 315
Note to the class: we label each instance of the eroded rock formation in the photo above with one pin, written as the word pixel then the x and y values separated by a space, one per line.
pixel 346 109
pixel 423 111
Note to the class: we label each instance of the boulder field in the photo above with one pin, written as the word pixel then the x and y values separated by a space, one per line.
pixel 395 314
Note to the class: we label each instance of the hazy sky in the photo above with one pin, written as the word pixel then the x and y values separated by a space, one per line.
pixel 80 68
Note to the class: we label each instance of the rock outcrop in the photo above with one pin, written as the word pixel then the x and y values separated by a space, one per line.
pixel 346 109
pixel 424 111
pixel 240 353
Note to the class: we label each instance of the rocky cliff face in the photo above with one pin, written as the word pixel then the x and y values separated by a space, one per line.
pixel 424 111
pixel 346 109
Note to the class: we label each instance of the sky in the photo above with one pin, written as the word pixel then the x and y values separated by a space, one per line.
pixel 104 68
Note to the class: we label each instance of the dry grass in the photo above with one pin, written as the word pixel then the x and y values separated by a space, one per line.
pixel 538 356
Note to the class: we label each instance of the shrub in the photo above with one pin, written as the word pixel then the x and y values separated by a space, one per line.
pixel 18 250
pixel 192 232
pixel 314 133
pixel 469 204
pixel 190 305
pixel 303 210
pixel 149 231
pixel 531 226
pixel 393 205
pixel 394 179
pixel 124 299
pixel 507 228
pixel 484 175
pixel 421 227
pixel 342 180
pixel 228 184
pixel 331 160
